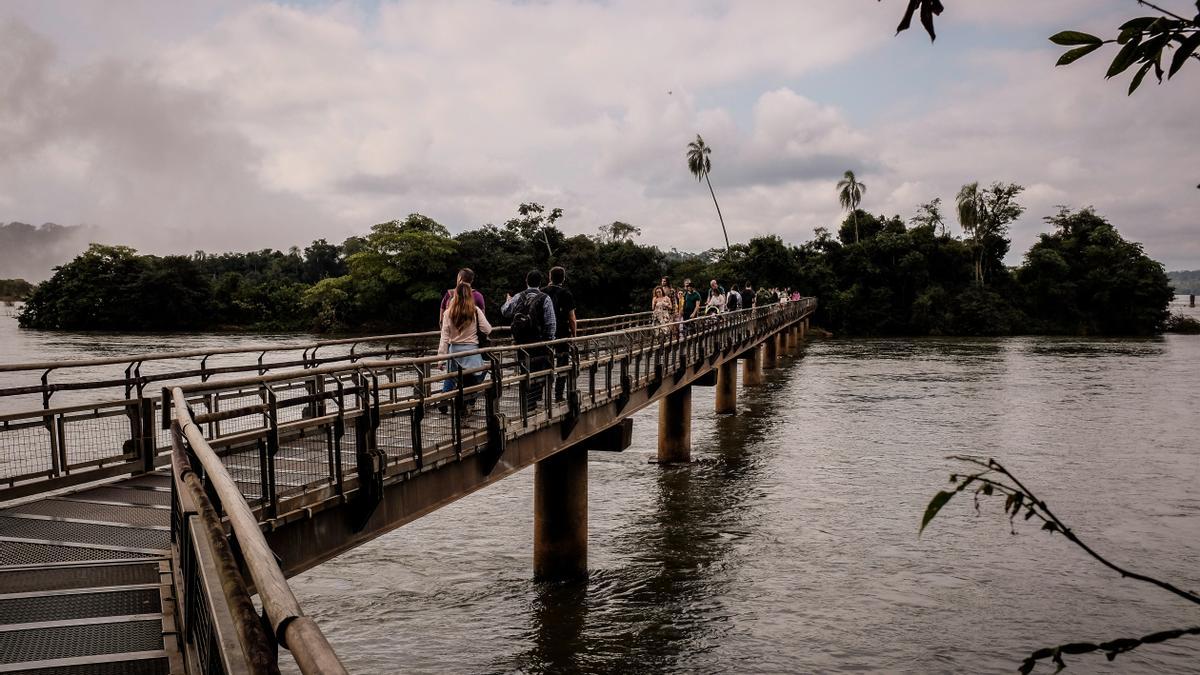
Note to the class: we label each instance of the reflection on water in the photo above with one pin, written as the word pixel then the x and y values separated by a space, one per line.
pixel 790 544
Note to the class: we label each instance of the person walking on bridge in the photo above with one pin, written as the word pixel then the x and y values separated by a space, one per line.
pixel 464 275
pixel 532 319
pixel 691 304
pixel 716 298
pixel 564 321
pixel 462 324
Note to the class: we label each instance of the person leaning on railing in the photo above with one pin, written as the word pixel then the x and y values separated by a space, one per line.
pixel 462 323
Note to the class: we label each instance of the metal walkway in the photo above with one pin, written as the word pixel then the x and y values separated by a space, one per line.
pixel 289 462
pixel 85 582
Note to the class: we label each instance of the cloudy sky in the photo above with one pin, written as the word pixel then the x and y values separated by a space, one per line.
pixel 234 125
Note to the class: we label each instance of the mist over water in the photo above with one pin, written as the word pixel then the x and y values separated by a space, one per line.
pixel 790 544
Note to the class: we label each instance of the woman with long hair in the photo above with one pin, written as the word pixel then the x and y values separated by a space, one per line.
pixel 664 309
pixel 462 324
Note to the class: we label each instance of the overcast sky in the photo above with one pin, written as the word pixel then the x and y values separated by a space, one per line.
pixel 235 125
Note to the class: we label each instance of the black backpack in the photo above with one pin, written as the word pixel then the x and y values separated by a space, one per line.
pixel 731 301
pixel 528 319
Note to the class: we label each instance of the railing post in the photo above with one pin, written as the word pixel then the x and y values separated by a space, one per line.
pixel 272 448
pixel 417 414
pixel 146 439
pixel 339 431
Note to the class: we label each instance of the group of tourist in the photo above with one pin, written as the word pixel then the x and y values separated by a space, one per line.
pixel 671 306
pixel 537 314
pixel 545 313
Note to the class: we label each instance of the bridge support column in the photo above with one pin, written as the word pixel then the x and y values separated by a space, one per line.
pixel 752 374
pixel 727 387
pixel 675 427
pixel 770 353
pixel 560 508
pixel 804 329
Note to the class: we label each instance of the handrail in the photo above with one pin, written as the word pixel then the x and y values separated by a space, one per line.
pixel 262 348
pixel 437 358
pixel 298 633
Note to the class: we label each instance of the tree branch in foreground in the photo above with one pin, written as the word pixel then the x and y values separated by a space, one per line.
pixel 989 477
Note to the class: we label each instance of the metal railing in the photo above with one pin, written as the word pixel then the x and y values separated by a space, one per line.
pixel 111 428
pixel 249 453
pixel 300 438
pixel 221 631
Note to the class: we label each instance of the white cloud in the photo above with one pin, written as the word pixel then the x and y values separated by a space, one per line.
pixel 257 124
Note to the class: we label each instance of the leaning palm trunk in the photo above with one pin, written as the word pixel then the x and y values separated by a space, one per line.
pixel 719 216
pixel 856 225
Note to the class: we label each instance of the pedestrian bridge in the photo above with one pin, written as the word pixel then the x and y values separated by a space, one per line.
pixel 141 512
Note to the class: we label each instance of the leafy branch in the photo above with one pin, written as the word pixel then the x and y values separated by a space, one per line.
pixel 1145 40
pixel 990 478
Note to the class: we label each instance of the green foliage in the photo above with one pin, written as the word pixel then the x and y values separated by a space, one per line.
pixel 699 162
pixel 1147 40
pixel 1186 325
pixel 14 289
pixel 618 231
pixel 895 280
pixel 400 268
pixel 1163 43
pixel 1085 278
pixel 113 288
pixel 1186 282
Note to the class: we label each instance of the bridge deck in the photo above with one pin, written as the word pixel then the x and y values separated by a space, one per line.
pixel 85 581
pixel 88 578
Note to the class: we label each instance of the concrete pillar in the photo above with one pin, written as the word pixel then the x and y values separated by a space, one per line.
pixel 727 387
pixel 675 427
pixel 792 339
pixel 804 329
pixel 752 374
pixel 770 353
pixel 560 515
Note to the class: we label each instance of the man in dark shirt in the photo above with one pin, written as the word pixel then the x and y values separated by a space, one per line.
pixel 691 303
pixel 564 320
pixel 535 313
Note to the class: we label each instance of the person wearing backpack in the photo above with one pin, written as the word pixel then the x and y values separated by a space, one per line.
pixel 564 320
pixel 733 301
pixel 463 323
pixel 531 317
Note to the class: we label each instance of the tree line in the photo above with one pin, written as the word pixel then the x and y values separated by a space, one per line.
pixel 875 275
pixel 12 290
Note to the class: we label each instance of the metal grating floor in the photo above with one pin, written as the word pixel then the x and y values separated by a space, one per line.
pixel 72 583
pixel 58 642
pixel 80 606
pixel 54 579
pixel 158 666
pixel 158 480
pixel 84 533
pixel 24 553
pixel 125 496
pixel 105 513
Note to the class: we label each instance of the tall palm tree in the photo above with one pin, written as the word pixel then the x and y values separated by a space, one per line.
pixel 700 164
pixel 850 193
pixel 969 214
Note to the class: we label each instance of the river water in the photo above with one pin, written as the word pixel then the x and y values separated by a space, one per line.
pixel 790 543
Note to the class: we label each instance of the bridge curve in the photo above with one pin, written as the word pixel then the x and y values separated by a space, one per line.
pixel 307 458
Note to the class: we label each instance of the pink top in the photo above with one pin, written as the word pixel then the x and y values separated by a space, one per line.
pixel 467 335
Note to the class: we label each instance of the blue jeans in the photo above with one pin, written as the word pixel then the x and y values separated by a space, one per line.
pixel 464 362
